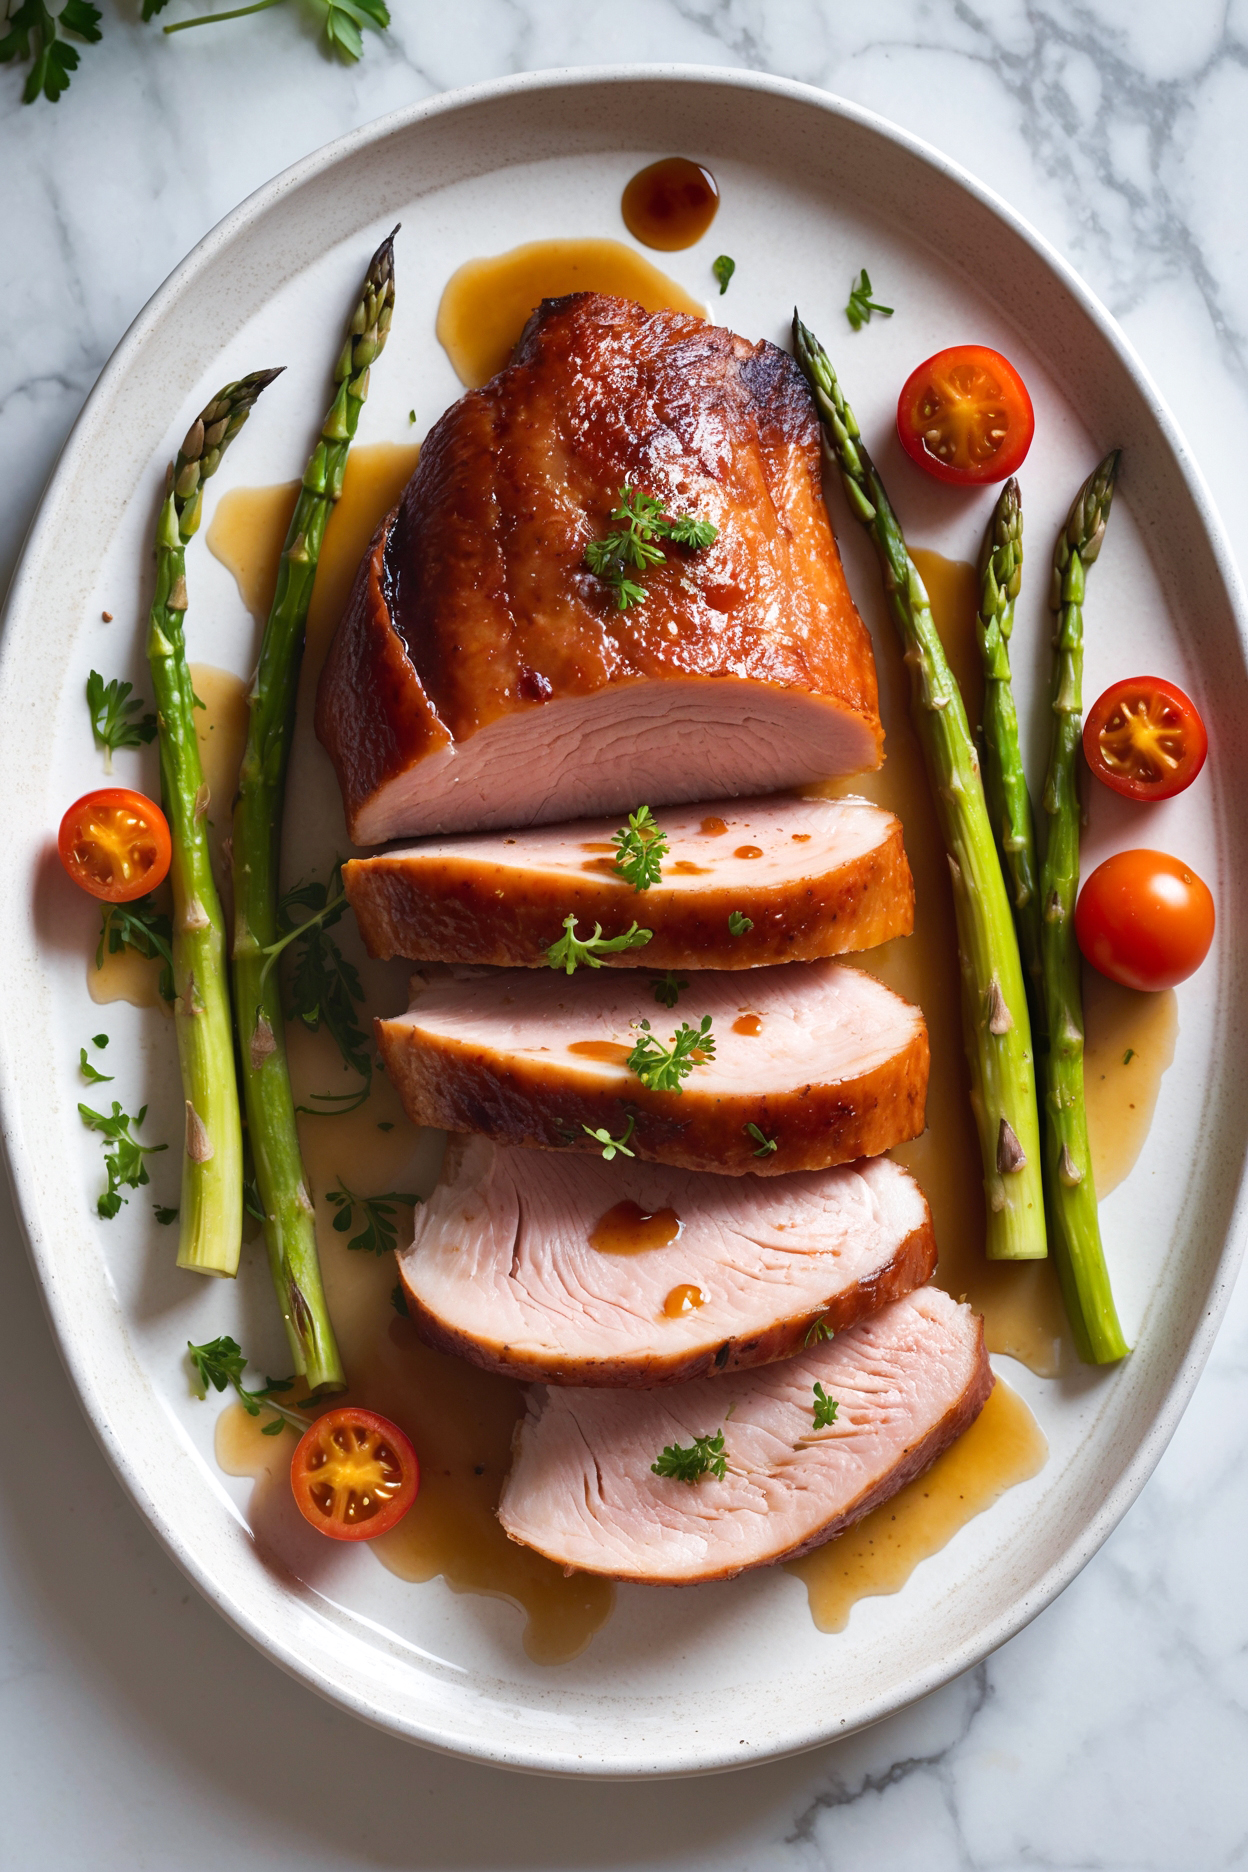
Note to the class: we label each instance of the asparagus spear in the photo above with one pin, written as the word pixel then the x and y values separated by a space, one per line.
pixel 1005 782
pixel 211 1209
pixel 289 1220
pixel 1067 1162
pixel 995 1027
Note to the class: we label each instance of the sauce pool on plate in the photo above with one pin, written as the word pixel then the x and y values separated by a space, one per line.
pixel 670 204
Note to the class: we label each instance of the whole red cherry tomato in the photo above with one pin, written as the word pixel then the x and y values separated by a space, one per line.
pixel 1145 920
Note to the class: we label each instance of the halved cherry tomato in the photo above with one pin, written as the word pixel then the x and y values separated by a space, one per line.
pixel 1145 920
pixel 1145 739
pixel 115 844
pixel 965 416
pixel 354 1474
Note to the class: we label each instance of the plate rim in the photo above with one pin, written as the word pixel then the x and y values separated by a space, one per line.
pixel 98 1415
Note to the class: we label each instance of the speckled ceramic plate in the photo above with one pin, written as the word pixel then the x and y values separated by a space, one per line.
pixel 812 189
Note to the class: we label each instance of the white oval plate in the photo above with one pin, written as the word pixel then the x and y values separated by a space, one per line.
pixel 812 189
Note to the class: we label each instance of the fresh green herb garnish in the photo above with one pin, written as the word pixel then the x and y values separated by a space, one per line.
pixel 88 1070
pixel 706 1455
pixel 411 415
pixel 32 35
pixel 820 1330
pixel 221 1363
pixel 111 717
pixel 251 1197
pixel 343 20
pixel 378 1234
pixel 124 1161
pixel 637 523
pixel 825 1409
pixel 739 924
pixel 611 1145
pixel 723 268
pixel 143 928
pixel 640 848
pixel 398 1300
pixel 667 988
pixel 862 305
pixel 163 1215
pixel 324 988
pixel 570 952
pixel 1128 1056
pixel 661 1068
pixel 99 1040
pixel 765 1144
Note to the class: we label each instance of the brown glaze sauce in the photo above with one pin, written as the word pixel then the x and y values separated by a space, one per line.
pixel 748 851
pixel 683 1299
pixel 609 1051
pixel 486 303
pixel 685 867
pixel 670 204
pixel 750 1024
pixel 627 1229
pixel 712 827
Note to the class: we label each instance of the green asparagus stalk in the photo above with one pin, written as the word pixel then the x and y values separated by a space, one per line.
pixel 1005 782
pixel 289 1219
pixel 211 1208
pixel 1069 1187
pixel 995 1026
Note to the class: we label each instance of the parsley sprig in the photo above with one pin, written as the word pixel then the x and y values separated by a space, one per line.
pixel 862 305
pixel 324 989
pixel 112 710
pixel 640 848
pixel 89 1072
pixel 612 1146
pixel 32 35
pixel 572 952
pixel 123 1160
pixel 343 20
pixel 220 1363
pixel 825 1409
pixel 379 1232
pixel 667 988
pixel 661 1068
pixel 706 1455
pixel 637 524
pixel 145 929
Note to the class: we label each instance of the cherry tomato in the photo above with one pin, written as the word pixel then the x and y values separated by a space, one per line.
pixel 1145 739
pixel 965 416
pixel 354 1474
pixel 1145 920
pixel 115 844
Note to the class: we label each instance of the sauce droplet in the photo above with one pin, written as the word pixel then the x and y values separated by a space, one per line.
pixel 686 868
pixel 609 1050
pixel 748 1024
pixel 801 838
pixel 670 204
pixel 684 1299
pixel 748 851
pixel 629 1229
pixel 713 827
pixel 593 845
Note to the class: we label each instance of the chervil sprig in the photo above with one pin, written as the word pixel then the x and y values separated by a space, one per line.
pixel 667 988
pixel 324 989
pixel 124 1159
pixel 661 1068
pixel 637 524
pixel 819 1330
pixel 221 1363
pixel 379 1233
pixel 765 1144
pixel 89 1072
pixel 112 712
pixel 862 305
pixel 825 1409
pixel 640 848
pixel 706 1455
pixel 739 924
pixel 612 1146
pixel 572 952
pixel 145 929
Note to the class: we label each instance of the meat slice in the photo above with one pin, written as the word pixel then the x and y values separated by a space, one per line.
pixel 575 1271
pixel 815 877
pixel 824 1060
pixel 483 677
pixel 581 1489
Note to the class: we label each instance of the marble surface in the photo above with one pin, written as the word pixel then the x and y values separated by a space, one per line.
pixel 135 1729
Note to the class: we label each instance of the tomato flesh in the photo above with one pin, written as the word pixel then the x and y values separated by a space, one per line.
pixel 965 416
pixel 1145 920
pixel 354 1474
pixel 1145 739
pixel 115 844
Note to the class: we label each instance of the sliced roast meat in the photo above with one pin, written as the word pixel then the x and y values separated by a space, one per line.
pixel 582 1489
pixel 814 877
pixel 483 676
pixel 819 1058
pixel 576 1271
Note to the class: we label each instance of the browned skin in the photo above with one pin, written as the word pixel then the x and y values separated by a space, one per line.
pixel 451 909
pixel 958 1418
pixel 458 1087
pixel 474 602
pixel 913 1264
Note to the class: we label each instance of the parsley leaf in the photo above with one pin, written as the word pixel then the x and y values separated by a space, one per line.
pixel 343 19
pixel 32 35
pixel 111 713
pixel 637 523
pixel 765 1144
pixel 611 1145
pixel 88 1071
pixel 378 1234
pixel 221 1363
pixel 324 988
pixel 143 928
pixel 570 952
pixel 640 848
pixel 862 305
pixel 99 1040
pixel 661 1068
pixel 739 924
pixel 706 1455
pixel 723 268
pixel 825 1409
pixel 124 1162
pixel 667 988
pixel 164 1215
pixel 398 1300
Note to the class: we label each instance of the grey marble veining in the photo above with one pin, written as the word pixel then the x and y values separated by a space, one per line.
pixel 1112 1733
